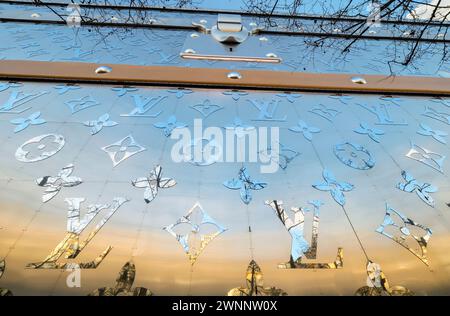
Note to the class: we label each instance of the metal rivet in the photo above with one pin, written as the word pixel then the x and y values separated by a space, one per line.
pixel 189 51
pixel 35 15
pixel 103 70
pixel 359 80
pixel 234 75
pixel 263 39
pixel 271 55
pixel 113 18
pixel 253 24
pixel 194 35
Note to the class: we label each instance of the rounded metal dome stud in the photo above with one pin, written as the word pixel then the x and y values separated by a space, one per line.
pixel 359 80
pixel 234 75
pixel 103 70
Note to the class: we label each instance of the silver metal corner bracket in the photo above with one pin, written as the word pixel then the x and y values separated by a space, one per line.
pixel 228 40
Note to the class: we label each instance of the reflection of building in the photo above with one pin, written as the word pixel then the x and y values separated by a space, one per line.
pixel 378 285
pixel 94 112
pixel 4 292
pixel 255 284
pixel 124 283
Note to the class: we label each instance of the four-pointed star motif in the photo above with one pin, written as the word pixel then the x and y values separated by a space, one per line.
pixel 206 108
pixel 427 157
pixel 244 184
pixel 81 103
pixel 122 149
pixel 192 249
pixel 152 183
pixel 327 113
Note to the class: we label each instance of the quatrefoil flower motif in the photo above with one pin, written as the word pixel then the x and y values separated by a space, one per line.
pixel 436 134
pixel 152 183
pixel 336 188
pixel 235 94
pixel 121 91
pixel 63 88
pixel 98 124
pixel 55 184
pixel 23 123
pixel 179 93
pixel 169 125
pixel 244 184
pixel 307 131
pixel 240 129
pixel 291 97
pixel 422 189
pixel 372 132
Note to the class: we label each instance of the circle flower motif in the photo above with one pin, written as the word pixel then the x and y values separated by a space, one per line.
pixel 354 156
pixel 40 148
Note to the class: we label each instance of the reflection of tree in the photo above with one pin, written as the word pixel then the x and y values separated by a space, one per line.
pixel 419 25
pixel 415 28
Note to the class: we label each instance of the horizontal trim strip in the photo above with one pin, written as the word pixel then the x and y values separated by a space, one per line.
pixel 217 78
pixel 322 35
pixel 244 13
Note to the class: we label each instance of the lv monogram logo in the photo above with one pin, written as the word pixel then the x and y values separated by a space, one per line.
pixel 16 99
pixel 300 246
pixel 143 105
pixel 382 113
pixel 70 245
pixel 267 110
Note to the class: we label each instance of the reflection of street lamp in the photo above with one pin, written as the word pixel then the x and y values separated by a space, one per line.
pixel 74 18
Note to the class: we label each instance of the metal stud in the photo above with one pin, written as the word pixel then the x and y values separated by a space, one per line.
pixel 103 70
